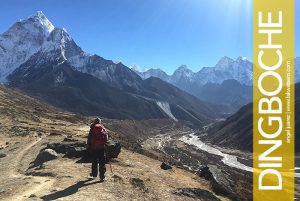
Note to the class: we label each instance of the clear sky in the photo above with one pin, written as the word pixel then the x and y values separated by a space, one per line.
pixel 150 33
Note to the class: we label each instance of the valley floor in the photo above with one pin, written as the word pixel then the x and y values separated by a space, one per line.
pixel 186 149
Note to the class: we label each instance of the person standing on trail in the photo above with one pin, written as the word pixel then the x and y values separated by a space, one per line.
pixel 97 140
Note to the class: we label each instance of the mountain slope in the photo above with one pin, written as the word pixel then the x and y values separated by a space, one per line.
pixel 60 72
pixel 22 115
pixel 60 85
pixel 182 105
pixel 236 131
pixel 66 88
pixel 229 93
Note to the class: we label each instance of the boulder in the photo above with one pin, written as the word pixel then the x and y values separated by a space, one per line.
pixel 44 156
pixel 2 154
pixel 205 173
pixel 113 149
pixel 65 147
pixel 78 149
pixel 196 193
pixel 75 152
pixel 219 180
pixel 165 166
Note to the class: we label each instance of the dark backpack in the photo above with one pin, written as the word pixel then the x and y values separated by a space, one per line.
pixel 99 136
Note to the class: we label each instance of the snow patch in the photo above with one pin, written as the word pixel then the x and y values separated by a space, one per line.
pixel 166 108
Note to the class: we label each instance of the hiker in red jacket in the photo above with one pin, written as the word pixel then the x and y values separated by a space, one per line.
pixel 97 140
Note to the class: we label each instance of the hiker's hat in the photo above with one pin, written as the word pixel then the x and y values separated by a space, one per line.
pixel 97 120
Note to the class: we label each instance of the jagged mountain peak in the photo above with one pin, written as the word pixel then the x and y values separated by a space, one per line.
pixel 240 58
pixel 183 70
pixel 39 17
pixel 152 72
pixel 224 62
pixel 22 40
pixel 37 24
pixel 156 69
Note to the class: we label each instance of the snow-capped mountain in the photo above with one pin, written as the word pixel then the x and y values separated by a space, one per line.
pixel 38 40
pixel 152 73
pixel 47 63
pixel 226 69
pixel 228 83
pixel 21 41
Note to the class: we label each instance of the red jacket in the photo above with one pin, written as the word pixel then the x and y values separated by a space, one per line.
pixel 97 137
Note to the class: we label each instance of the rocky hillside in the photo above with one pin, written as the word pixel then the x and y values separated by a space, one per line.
pixel 21 115
pixel 28 126
pixel 230 94
pixel 236 131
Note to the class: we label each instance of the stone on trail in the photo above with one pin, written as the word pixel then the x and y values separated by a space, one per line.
pixel 44 156
pixel 165 166
pixel 2 154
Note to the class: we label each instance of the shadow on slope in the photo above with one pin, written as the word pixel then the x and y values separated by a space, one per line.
pixel 69 191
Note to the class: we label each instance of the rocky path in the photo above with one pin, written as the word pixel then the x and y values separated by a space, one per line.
pixel 19 185
pixel 37 183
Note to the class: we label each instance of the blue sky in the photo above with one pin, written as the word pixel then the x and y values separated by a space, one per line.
pixel 150 33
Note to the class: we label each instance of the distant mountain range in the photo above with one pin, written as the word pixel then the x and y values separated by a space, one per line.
pixel 226 69
pixel 46 62
pixel 228 83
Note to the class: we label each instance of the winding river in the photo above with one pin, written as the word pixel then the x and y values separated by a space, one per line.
pixel 227 159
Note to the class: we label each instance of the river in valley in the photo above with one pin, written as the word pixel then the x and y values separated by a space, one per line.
pixel 227 159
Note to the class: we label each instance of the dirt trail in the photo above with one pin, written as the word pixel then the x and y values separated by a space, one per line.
pixel 14 169
pixel 36 183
